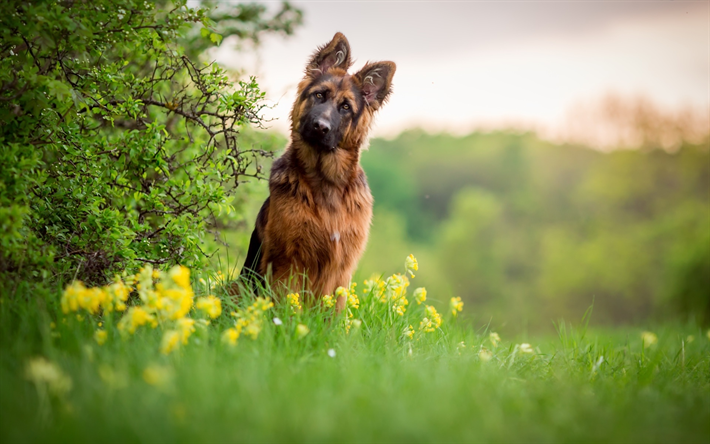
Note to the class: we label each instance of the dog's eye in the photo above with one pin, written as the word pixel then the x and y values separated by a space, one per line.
pixel 346 107
pixel 319 96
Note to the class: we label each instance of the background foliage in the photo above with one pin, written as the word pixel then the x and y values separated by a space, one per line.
pixel 527 230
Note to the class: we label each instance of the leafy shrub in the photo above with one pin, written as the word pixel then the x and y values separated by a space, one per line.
pixel 117 147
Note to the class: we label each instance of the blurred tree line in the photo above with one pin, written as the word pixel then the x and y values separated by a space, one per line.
pixel 527 230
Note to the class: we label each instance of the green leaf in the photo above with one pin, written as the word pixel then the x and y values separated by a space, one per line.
pixel 216 38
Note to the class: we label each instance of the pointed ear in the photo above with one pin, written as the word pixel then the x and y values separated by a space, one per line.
pixel 335 54
pixel 375 80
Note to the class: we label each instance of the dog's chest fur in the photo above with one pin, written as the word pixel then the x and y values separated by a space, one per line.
pixel 319 225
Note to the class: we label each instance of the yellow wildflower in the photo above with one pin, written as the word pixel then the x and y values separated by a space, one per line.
pixel 526 348
pixel 494 338
pixel 176 303
pixel 180 275
pixel 409 332
pixel 43 372
pixel 252 328
pixel 411 264
pixel 186 327
pixel 485 355
pixel 77 297
pixel 293 300
pixel 648 339
pixel 230 336
pixel 341 292
pixel 302 330
pixel 432 321
pixel 353 301
pixel 100 336
pixel 455 305
pixel 374 287
pixel 420 295
pixel 400 305
pixel 171 341
pixel 134 318
pixel 210 305
pixel 328 301
pixel 262 304
pixel 157 375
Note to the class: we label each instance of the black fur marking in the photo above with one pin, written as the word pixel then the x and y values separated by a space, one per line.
pixel 252 274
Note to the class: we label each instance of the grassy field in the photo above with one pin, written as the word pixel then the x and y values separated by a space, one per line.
pixel 315 376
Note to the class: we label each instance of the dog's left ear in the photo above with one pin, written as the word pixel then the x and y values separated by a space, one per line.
pixel 335 54
pixel 375 81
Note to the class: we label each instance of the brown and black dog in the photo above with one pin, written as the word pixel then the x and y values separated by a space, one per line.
pixel 312 229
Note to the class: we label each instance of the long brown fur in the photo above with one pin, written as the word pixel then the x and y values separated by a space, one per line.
pixel 317 218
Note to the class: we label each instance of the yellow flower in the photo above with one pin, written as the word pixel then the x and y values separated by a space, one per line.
pixel 171 341
pixel 43 372
pixel 485 355
pixel 157 375
pixel 328 301
pixel 420 295
pixel 186 327
pixel 181 276
pixel 353 301
pixel 526 348
pixel 100 336
pixel 294 302
pixel 134 318
pixel 175 303
pixel 230 336
pixel 210 305
pixel 263 304
pixel 432 321
pixel 648 339
pixel 374 287
pixel 494 338
pixel 455 305
pixel 411 264
pixel 111 297
pixel 301 331
pixel 409 332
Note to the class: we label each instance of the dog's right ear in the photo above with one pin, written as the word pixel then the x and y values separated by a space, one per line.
pixel 335 54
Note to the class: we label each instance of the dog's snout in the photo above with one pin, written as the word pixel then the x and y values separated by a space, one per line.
pixel 322 126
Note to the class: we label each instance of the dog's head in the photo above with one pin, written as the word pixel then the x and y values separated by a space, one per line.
pixel 334 109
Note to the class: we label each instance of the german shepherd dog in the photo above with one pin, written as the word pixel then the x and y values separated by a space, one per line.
pixel 313 227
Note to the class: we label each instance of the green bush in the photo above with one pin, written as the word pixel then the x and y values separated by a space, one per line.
pixel 118 146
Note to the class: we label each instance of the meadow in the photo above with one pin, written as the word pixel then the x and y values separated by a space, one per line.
pixel 122 145
pixel 392 368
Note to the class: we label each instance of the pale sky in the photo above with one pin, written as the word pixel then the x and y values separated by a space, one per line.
pixel 466 65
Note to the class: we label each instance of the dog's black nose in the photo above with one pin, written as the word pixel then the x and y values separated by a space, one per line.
pixel 322 126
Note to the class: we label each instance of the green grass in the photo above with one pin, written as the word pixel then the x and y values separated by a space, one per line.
pixel 279 388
